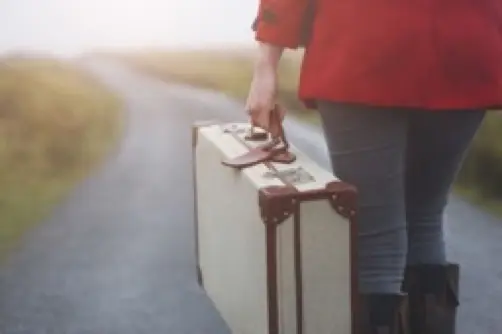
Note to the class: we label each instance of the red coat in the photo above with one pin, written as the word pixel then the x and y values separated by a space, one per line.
pixel 434 54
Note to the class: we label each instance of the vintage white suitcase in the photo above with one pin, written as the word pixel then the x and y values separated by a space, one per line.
pixel 274 241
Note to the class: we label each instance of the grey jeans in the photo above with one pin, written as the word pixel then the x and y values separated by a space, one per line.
pixel 403 163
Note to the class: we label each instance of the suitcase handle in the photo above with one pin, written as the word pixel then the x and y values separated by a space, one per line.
pixel 277 150
pixel 275 125
pixel 277 134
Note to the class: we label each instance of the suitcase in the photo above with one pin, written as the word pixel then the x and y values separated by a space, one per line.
pixel 275 235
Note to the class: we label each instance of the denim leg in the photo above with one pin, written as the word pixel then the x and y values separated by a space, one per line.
pixel 437 143
pixel 367 149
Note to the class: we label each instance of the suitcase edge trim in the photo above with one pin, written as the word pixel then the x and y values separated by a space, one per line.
pixel 195 134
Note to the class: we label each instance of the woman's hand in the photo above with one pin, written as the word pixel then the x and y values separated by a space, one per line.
pixel 262 95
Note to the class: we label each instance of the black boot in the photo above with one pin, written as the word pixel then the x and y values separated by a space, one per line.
pixel 433 298
pixel 383 314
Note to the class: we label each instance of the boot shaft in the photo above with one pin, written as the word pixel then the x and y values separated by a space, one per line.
pixel 433 298
pixel 383 314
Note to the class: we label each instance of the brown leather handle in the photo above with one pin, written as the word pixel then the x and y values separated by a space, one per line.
pixel 277 150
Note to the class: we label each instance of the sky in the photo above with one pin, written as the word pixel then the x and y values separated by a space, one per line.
pixel 74 26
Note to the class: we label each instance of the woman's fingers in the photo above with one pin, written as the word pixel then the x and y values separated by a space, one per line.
pixel 269 119
pixel 261 97
pixel 258 109
pixel 281 112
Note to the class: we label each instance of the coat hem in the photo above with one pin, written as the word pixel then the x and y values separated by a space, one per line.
pixel 445 105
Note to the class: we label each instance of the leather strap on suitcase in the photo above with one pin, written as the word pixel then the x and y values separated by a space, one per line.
pixel 276 150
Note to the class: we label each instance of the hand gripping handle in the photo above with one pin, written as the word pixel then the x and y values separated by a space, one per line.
pixel 276 150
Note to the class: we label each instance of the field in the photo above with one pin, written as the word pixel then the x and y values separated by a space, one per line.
pixel 56 124
pixel 230 72
pixel 225 71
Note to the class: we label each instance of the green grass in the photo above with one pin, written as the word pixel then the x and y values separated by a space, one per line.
pixel 56 124
pixel 480 180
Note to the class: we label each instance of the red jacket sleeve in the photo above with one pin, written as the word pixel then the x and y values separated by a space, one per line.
pixel 281 22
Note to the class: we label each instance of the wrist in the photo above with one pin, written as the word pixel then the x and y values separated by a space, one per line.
pixel 269 56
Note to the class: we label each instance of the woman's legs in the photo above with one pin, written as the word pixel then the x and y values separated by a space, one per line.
pixel 403 163
pixel 437 142
pixel 368 148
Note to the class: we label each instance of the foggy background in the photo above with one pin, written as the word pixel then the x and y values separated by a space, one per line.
pixel 68 27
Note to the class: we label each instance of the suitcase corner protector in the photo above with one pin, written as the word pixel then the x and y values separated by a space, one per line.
pixel 277 203
pixel 343 198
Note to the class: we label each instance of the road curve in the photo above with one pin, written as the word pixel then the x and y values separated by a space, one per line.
pixel 117 257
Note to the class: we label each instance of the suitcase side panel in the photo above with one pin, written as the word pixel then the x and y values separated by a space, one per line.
pixel 232 240
pixel 286 277
pixel 326 269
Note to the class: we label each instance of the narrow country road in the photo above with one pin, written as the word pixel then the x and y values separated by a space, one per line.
pixel 117 257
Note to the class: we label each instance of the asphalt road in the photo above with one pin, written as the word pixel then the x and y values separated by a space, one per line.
pixel 117 257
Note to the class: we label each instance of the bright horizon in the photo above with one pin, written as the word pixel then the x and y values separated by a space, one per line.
pixel 72 27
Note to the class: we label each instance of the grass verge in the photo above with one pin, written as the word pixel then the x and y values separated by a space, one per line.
pixel 479 181
pixel 56 123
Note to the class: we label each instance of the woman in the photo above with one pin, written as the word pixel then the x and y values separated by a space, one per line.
pixel 401 88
